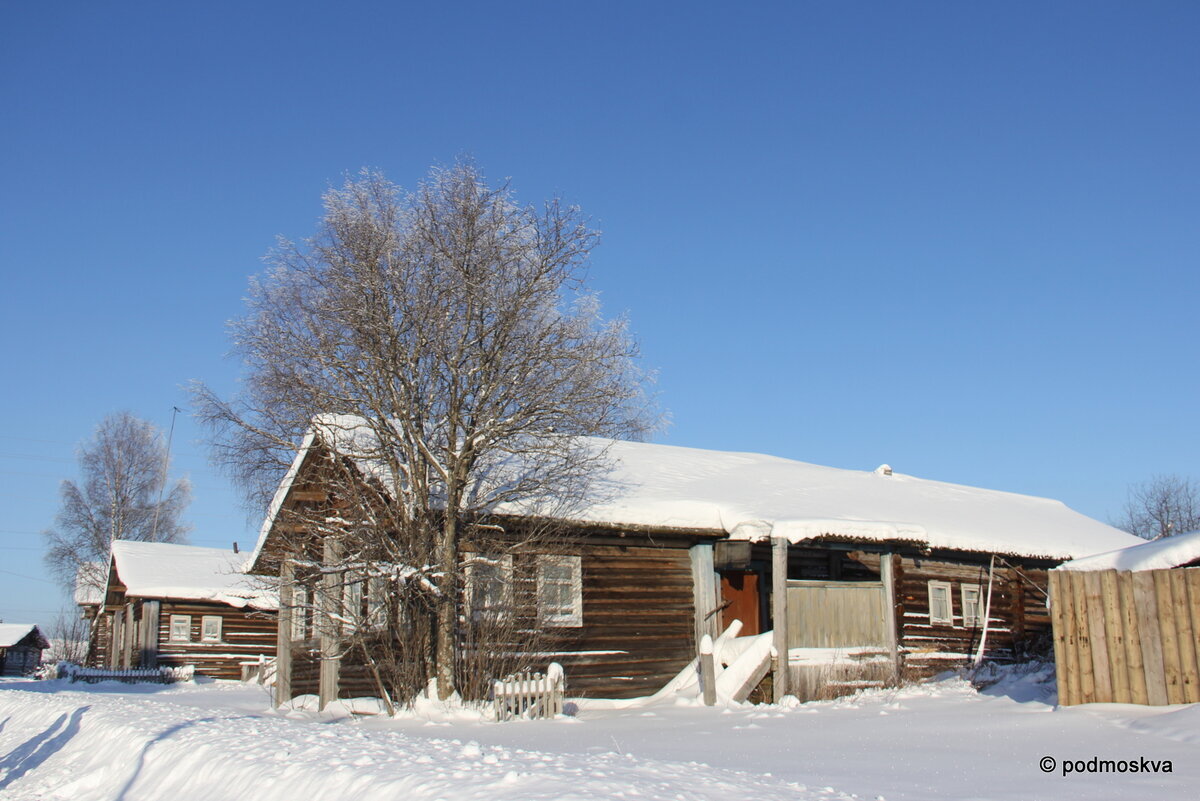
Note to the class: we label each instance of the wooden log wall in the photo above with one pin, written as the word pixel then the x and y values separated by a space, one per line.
pixel 245 635
pixel 1018 613
pixel 1127 637
pixel 638 627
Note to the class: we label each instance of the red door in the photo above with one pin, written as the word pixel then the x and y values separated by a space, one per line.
pixel 739 591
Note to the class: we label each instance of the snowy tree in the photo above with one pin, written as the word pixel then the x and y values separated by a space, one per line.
pixel 121 496
pixel 1161 507
pixel 455 324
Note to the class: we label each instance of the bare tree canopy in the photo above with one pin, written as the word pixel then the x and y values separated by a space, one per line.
pixel 121 496
pixel 1164 506
pixel 454 324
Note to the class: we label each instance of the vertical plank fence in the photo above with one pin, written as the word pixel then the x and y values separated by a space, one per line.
pixel 1130 638
pixel 530 695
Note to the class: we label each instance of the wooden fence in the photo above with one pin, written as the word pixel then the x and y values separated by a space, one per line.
pixel 530 695
pixel 1126 637
pixel 835 614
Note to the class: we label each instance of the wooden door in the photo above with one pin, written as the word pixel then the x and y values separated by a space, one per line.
pixel 739 594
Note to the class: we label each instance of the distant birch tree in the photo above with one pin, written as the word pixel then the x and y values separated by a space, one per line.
pixel 121 496
pixel 1164 506
pixel 455 323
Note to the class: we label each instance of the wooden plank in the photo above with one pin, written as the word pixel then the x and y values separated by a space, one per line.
pixel 1146 604
pixel 1083 638
pixel 1114 630
pixel 1133 646
pixel 1181 614
pixel 150 620
pixel 1098 636
pixel 1192 580
pixel 330 631
pixel 1172 668
pixel 779 614
pixel 283 634
pixel 704 591
pixel 1059 602
pixel 891 631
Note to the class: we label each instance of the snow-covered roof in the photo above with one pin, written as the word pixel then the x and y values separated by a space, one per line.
pixel 89 583
pixel 750 496
pixel 1160 554
pixel 166 570
pixel 13 633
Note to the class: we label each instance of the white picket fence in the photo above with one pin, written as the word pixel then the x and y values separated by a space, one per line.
pixel 530 695
pixel 160 675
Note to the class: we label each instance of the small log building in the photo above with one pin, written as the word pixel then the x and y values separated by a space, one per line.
pixel 168 605
pixel 21 646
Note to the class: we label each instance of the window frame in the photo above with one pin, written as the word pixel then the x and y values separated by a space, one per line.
pixel 559 619
pixel 180 620
pixel 977 620
pixel 948 620
pixel 504 609
pixel 300 596
pixel 204 622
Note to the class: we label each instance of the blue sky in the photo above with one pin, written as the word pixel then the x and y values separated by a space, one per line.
pixel 955 237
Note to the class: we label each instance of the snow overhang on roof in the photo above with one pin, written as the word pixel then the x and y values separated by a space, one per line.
pixel 188 572
pixel 13 633
pixel 1160 554
pixel 750 496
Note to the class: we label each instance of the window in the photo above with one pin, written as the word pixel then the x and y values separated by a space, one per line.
pixel 299 613
pixel 971 610
pixel 377 601
pixel 489 585
pixel 560 590
pixel 210 628
pixel 352 602
pixel 181 628
pixel 940 606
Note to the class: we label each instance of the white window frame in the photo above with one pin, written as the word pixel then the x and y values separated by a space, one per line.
pixel 377 606
pixel 976 620
pixel 205 622
pixel 299 613
pixel 566 619
pixel 505 563
pixel 352 601
pixel 177 622
pixel 935 619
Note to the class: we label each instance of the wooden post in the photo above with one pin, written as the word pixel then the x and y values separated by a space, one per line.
pixel 1192 580
pixel 887 574
pixel 130 634
pixel 779 614
pixel 331 604
pixel 704 590
pixel 708 671
pixel 116 635
pixel 150 616
pixel 283 633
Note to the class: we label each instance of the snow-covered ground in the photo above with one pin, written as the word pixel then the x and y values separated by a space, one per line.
pixel 941 740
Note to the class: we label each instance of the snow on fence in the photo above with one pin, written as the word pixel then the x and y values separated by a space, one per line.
pixel 1126 637
pixel 530 695
pixel 161 675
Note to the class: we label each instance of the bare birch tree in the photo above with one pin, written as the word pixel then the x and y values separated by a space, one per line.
pixel 452 324
pixel 1161 507
pixel 122 496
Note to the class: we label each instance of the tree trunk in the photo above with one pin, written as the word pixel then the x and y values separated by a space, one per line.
pixel 447 609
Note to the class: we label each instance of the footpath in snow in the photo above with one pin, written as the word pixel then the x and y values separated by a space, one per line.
pixel 942 740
